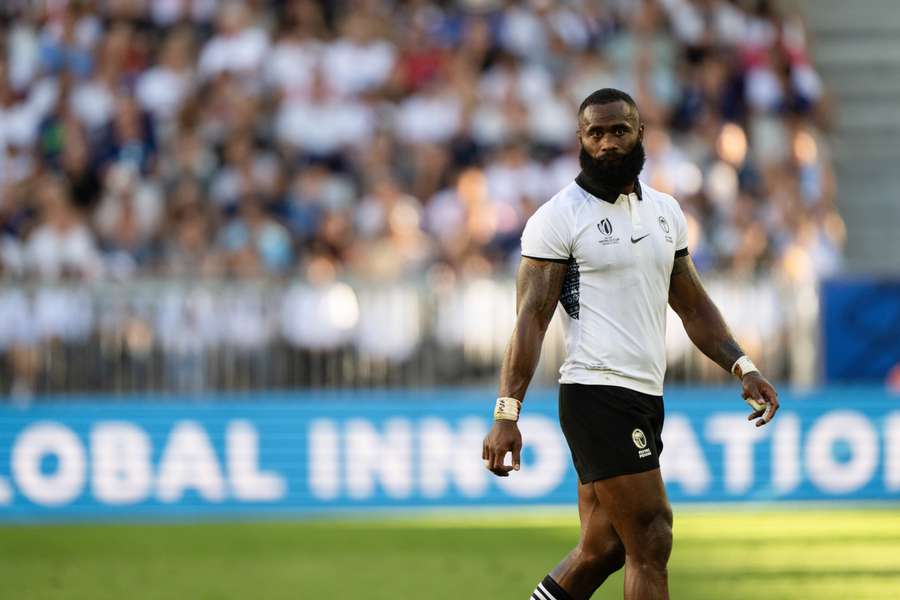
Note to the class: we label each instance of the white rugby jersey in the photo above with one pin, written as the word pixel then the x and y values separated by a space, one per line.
pixel 614 298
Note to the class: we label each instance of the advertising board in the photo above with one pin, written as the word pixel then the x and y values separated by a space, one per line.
pixel 319 452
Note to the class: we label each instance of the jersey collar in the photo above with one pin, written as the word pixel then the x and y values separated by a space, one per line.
pixel 604 193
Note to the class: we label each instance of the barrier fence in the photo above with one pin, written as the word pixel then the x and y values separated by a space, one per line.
pixel 314 452
pixel 185 337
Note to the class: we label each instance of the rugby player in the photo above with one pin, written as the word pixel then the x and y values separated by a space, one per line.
pixel 611 251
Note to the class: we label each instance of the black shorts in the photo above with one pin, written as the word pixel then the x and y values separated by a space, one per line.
pixel 610 430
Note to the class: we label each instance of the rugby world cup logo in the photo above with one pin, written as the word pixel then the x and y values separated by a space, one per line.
pixel 605 227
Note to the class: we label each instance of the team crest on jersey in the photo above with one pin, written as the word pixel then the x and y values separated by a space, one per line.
pixel 606 228
pixel 664 225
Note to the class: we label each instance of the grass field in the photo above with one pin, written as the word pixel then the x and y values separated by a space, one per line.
pixel 837 554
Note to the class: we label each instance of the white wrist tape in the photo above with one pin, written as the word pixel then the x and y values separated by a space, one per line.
pixel 742 366
pixel 507 409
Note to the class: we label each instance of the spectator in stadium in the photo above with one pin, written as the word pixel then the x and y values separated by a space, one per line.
pixel 310 107
pixel 61 245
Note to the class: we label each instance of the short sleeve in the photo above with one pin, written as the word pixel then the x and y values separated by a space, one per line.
pixel 681 233
pixel 547 234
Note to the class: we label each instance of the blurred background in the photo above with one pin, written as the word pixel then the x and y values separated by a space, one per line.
pixel 216 195
pixel 257 258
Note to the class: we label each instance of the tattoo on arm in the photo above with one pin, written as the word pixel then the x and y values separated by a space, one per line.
pixel 702 320
pixel 538 286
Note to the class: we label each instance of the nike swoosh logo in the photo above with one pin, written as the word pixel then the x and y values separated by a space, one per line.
pixel 635 241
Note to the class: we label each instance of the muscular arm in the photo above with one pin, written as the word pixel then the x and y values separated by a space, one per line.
pixel 538 285
pixel 702 320
pixel 707 329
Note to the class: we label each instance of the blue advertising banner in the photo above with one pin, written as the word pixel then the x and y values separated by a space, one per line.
pixel 319 452
pixel 860 345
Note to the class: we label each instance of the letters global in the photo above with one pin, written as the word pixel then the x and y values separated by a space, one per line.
pixel 304 453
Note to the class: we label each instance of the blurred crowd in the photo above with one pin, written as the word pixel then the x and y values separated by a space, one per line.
pixel 311 142
pixel 383 139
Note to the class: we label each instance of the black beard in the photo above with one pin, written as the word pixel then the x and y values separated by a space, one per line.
pixel 615 172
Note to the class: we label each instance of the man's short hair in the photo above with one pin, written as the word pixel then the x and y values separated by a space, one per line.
pixel 605 96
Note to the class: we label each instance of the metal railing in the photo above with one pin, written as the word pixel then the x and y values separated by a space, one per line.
pixel 189 337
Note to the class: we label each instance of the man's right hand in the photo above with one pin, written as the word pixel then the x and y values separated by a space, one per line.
pixel 503 437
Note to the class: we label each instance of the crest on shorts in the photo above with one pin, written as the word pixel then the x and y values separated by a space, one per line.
pixel 639 439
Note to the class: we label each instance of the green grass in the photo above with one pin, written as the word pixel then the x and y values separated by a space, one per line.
pixel 816 554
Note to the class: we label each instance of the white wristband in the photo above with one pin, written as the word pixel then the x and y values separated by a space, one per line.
pixel 742 366
pixel 507 409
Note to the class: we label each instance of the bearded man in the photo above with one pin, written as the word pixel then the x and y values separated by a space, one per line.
pixel 612 252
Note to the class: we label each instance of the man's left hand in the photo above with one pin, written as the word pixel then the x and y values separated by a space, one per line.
pixel 758 389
